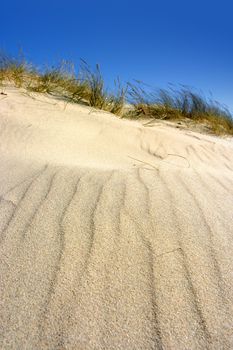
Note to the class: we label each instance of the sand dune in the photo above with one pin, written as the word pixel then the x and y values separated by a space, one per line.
pixel 112 235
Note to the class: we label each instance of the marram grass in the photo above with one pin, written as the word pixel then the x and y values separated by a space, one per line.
pixel 88 86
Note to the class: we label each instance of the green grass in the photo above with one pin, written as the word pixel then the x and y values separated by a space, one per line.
pixel 88 87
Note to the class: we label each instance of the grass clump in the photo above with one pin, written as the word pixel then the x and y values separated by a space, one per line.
pixel 15 70
pixel 99 97
pixel 60 81
pixel 177 104
pixel 88 86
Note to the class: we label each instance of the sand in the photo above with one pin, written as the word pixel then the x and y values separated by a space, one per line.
pixel 113 235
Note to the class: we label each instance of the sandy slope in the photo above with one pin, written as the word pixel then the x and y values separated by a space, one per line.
pixel 112 235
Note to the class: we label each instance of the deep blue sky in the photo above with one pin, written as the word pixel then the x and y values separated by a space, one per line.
pixel 180 41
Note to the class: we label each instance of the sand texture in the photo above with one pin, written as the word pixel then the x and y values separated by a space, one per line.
pixel 113 235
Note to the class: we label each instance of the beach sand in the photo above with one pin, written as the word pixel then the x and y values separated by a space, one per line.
pixel 113 235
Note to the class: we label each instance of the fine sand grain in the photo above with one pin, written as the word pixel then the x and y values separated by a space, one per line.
pixel 112 235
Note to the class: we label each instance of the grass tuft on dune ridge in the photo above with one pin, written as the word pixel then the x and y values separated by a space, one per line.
pixel 15 70
pixel 88 86
pixel 98 96
pixel 178 103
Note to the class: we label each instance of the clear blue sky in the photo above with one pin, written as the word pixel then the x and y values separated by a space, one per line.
pixel 180 41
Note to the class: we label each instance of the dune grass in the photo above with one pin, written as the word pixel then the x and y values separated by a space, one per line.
pixel 177 104
pixel 15 70
pixel 88 86
pixel 60 81
pixel 99 96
